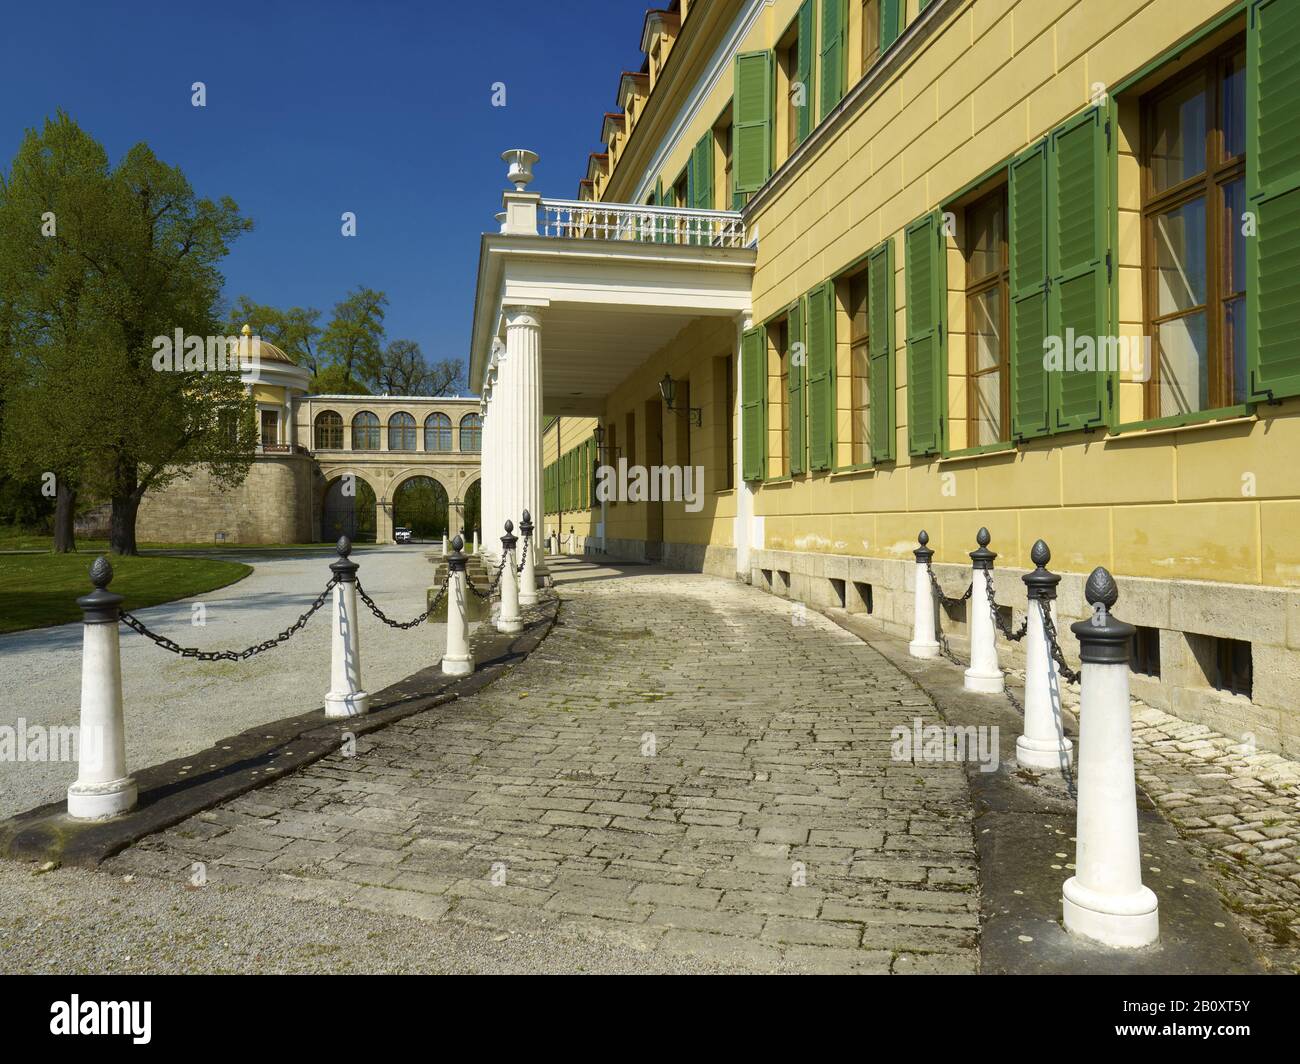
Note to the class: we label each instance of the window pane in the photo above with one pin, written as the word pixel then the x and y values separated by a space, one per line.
pixel 1235 337
pixel 987 228
pixel 861 402
pixel 985 310
pixel 988 408
pixel 858 308
pixel 870 33
pixel 1234 239
pixel 1180 258
pixel 1234 107
pixel 1178 145
pixel 1184 385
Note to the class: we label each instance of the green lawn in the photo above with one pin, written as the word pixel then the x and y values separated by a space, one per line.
pixel 38 590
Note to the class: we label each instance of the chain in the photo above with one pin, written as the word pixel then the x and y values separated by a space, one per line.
pixel 998 622
pixel 523 557
pixel 496 580
pixel 1049 630
pixel 939 591
pixel 137 625
pixel 409 624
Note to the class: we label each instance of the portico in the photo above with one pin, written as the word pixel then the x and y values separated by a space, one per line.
pixel 573 298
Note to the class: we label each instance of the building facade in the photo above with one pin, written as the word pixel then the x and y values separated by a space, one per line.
pixel 332 465
pixel 1021 264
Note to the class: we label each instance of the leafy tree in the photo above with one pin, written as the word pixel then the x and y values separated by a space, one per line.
pixel 295 331
pixel 133 257
pixel 354 339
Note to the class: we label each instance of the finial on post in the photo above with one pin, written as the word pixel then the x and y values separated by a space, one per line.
pixel 520 161
pixel 923 553
pixel 101 606
pixel 981 557
pixel 1039 583
pixel 345 569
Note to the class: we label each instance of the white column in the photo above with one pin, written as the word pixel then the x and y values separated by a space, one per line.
pixel 103 789
pixel 983 675
pixel 1043 745
pixel 522 377
pixel 345 697
pixel 1106 900
pixel 923 644
pixel 458 659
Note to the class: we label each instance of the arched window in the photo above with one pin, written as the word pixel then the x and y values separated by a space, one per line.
pixel 471 433
pixel 329 431
pixel 401 432
pixel 365 432
pixel 437 432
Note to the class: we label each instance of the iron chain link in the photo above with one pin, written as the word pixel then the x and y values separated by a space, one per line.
pixel 137 625
pixel 370 603
pixel 998 623
pixel 939 591
pixel 1049 630
pixel 496 580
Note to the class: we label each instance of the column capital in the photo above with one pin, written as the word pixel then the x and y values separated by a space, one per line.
pixel 523 316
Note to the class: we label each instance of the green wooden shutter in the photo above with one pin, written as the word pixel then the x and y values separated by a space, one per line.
pixel 834 18
pixel 1273 194
pixel 880 349
pixel 700 175
pixel 1078 256
pixel 806 74
pixel 753 405
pixel 926 296
pixel 1030 415
pixel 752 128
pixel 821 376
pixel 891 22
pixel 794 387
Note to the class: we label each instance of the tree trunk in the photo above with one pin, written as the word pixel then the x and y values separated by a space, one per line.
pixel 122 533
pixel 65 509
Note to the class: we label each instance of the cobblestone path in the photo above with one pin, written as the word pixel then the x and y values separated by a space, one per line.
pixel 1241 809
pixel 684 765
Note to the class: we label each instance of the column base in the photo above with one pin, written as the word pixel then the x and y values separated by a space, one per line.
pixel 101 801
pixel 356 704
pixel 509 627
pixel 457 666
pixel 1128 921
pixel 923 650
pixel 985 683
pixel 525 599
pixel 1049 754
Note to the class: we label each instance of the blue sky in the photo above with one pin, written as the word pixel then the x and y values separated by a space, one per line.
pixel 381 107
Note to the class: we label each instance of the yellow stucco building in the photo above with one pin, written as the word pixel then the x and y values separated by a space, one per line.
pixel 943 264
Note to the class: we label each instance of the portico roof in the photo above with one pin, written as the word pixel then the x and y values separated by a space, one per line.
pixel 612 284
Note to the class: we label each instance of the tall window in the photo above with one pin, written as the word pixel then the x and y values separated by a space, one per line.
pixel 1194 255
pixel 795 94
pixel 860 369
pixel 437 432
pixel 782 338
pixel 725 134
pixel 329 431
pixel 870 33
pixel 471 433
pixel 988 285
pixel 401 432
pixel 365 432
pixel 270 428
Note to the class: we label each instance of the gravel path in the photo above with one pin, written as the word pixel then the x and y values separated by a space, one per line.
pixel 176 706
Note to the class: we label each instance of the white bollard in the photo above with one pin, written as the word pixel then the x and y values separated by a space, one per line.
pixel 444 544
pixel 474 550
pixel 1044 744
pixel 923 644
pixel 508 621
pixel 983 675
pixel 103 789
pixel 528 578
pixel 458 659
pixel 1105 899
pixel 345 697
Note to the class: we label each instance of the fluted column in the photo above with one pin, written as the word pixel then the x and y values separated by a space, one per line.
pixel 522 432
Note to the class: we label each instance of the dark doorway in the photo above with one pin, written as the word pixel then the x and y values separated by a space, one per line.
pixel 473 511
pixel 348 510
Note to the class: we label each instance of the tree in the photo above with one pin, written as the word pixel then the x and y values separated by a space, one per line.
pixel 295 331
pixel 446 377
pixel 354 339
pixel 405 372
pixel 132 257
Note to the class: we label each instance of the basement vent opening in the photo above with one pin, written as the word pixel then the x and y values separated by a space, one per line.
pixel 837 589
pixel 866 601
